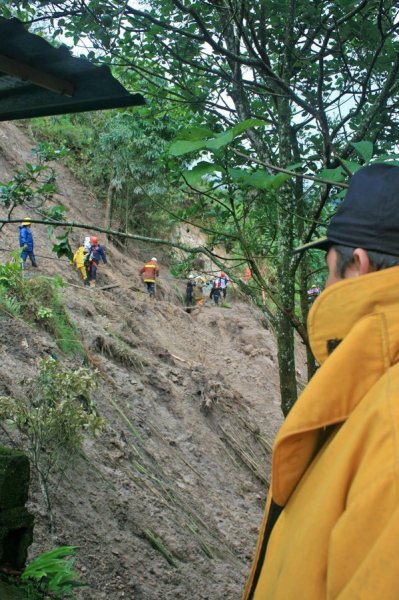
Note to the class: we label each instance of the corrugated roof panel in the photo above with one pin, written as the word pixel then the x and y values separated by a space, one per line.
pixel 28 56
pixel 8 82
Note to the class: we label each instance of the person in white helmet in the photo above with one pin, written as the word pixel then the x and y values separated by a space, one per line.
pixel 150 272
pixel 189 298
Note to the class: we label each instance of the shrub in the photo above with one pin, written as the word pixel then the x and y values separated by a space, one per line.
pixel 53 414
pixel 37 300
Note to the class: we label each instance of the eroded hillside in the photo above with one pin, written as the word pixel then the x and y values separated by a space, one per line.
pixel 167 502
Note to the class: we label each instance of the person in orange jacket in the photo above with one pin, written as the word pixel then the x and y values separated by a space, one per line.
pixel 331 524
pixel 248 274
pixel 150 272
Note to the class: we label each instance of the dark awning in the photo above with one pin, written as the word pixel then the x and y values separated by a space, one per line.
pixel 38 80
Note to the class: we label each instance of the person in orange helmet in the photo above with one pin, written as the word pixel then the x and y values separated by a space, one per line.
pixel 93 258
pixel 224 281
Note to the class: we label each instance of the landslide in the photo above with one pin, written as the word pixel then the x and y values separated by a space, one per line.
pixel 168 501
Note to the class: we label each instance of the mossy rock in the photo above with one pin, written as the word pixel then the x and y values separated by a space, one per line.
pixel 16 534
pixel 10 592
pixel 14 478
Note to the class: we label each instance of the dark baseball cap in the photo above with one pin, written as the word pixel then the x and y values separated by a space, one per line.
pixel 368 217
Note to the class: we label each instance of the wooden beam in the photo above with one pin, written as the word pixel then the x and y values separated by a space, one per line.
pixel 35 76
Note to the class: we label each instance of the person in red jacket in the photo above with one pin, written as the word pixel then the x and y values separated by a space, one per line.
pixel 150 271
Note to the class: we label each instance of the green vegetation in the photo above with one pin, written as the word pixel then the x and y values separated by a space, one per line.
pixel 33 184
pixel 157 544
pixel 37 301
pixel 119 349
pixel 54 412
pixel 52 573
pixel 49 575
pixel 119 157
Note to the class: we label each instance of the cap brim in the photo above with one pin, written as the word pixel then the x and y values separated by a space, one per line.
pixel 320 244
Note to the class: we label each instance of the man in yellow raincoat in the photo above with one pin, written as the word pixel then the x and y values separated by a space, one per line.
pixel 78 261
pixel 331 525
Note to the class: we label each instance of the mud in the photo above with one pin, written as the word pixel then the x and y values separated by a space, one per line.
pixel 168 502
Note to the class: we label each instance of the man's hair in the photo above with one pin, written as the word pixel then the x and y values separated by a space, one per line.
pixel 378 259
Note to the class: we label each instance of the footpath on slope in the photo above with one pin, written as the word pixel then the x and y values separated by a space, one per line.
pixel 168 502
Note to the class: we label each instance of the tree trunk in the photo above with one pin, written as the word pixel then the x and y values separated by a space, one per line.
pixel 286 284
pixel 109 206
pixel 46 496
pixel 304 283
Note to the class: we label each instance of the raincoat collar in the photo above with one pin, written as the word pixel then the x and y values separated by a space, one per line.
pixel 361 316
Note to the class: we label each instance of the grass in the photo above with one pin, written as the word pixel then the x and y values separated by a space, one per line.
pixel 157 543
pixel 38 301
pixel 41 298
pixel 117 349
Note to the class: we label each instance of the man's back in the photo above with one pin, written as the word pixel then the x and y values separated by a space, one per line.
pixel 336 458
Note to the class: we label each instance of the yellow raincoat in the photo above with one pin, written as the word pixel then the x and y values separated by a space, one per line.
pixel 78 260
pixel 335 467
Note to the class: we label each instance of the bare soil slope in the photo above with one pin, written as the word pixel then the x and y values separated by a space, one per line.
pixel 167 503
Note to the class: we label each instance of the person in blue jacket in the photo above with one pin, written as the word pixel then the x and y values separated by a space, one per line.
pixel 93 258
pixel 26 243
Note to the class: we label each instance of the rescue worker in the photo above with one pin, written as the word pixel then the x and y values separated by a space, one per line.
pixel 216 290
pixel 189 297
pixel 313 292
pixel 93 258
pixel 198 292
pixel 87 243
pixel 150 272
pixel 224 280
pixel 331 525
pixel 79 262
pixel 26 243
pixel 248 274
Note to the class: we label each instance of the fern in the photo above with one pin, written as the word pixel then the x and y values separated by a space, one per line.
pixel 9 305
pixel 52 572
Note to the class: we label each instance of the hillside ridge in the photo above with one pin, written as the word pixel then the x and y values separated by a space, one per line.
pixel 167 503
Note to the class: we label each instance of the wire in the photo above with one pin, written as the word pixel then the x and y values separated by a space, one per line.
pixel 37 255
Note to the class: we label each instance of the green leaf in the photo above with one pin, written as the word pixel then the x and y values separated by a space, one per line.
pixel 258 179
pixel 336 174
pixel 352 166
pixel 261 180
pixel 195 175
pixel 197 138
pixel 220 140
pixel 365 149
pixel 247 124
pixel 181 147
pixel 195 133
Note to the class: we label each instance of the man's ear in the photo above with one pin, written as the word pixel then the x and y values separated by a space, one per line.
pixel 361 264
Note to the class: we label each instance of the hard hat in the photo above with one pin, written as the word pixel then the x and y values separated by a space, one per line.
pixel 26 221
pixel 222 274
pixel 191 276
pixel 94 239
pixel 154 259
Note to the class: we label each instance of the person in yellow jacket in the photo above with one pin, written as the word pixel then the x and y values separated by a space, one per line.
pixel 331 525
pixel 78 261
